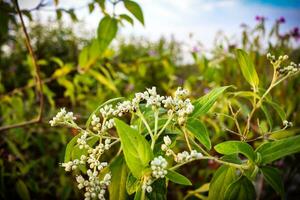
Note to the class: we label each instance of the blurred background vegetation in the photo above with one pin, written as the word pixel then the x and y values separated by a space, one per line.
pixel 30 155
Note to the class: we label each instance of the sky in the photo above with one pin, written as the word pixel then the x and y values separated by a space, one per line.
pixel 179 18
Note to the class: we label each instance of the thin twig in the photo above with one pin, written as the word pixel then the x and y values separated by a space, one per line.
pixel 37 78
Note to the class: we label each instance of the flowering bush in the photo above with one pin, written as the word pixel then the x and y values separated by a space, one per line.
pixel 158 134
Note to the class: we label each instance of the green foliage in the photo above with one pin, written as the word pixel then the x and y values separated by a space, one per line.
pixel 232 147
pixel 273 177
pixel 107 31
pixel 247 68
pixel 81 73
pixel 271 151
pixel 220 182
pixel 135 10
pixel 136 149
pixel 178 178
pixel 203 104
pixel 198 129
pixel 240 189
pixel 117 188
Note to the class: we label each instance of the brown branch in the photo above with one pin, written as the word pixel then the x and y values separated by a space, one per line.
pixel 37 78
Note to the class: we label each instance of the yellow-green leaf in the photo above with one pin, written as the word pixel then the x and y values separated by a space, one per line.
pixel 247 68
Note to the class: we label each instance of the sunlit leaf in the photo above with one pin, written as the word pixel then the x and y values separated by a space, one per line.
pixel 178 178
pixel 117 187
pixel 247 68
pixel 204 103
pixel 222 178
pixel 107 31
pixel 136 149
pixel 198 129
pixel 231 147
pixel 134 9
pixel 271 151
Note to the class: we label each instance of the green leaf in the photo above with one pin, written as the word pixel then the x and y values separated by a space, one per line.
pixel 198 129
pixel 132 184
pixel 91 7
pixel 136 148
pixel 268 116
pixel 117 187
pixel 103 80
pixel 271 151
pixel 241 189
pixel 107 31
pixel 278 109
pixel 70 147
pixel 138 195
pixel 22 190
pixel 273 177
pixel 126 18
pixel 134 9
pixel 231 147
pixel 204 103
pixel 247 68
pixel 232 158
pixel 222 178
pixel 13 147
pixel 58 14
pixel 178 178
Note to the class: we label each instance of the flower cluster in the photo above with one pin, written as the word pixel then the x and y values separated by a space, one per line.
pixel 187 157
pixel 147 184
pixel 273 59
pixel 292 68
pixel 166 146
pixel 62 117
pixel 94 188
pixel 158 167
pixel 177 108
pixel 179 105
pixel 82 141
pixel 287 123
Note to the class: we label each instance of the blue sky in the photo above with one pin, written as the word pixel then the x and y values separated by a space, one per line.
pixel 203 18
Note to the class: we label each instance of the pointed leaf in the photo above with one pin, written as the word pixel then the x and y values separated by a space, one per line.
pixel 222 178
pixel 231 147
pixel 117 187
pixel 247 68
pixel 134 9
pixel 271 151
pixel 178 178
pixel 69 148
pixel 198 129
pixel 273 177
pixel 204 103
pixel 107 31
pixel 241 189
pixel 136 148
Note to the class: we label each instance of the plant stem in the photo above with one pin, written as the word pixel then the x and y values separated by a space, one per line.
pixel 186 138
pixel 256 105
pixel 145 123
pixel 165 125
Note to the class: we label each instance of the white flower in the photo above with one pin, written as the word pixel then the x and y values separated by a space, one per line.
pixel 158 166
pixel 167 140
pixel 186 156
pixel 62 117
pixel 181 93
